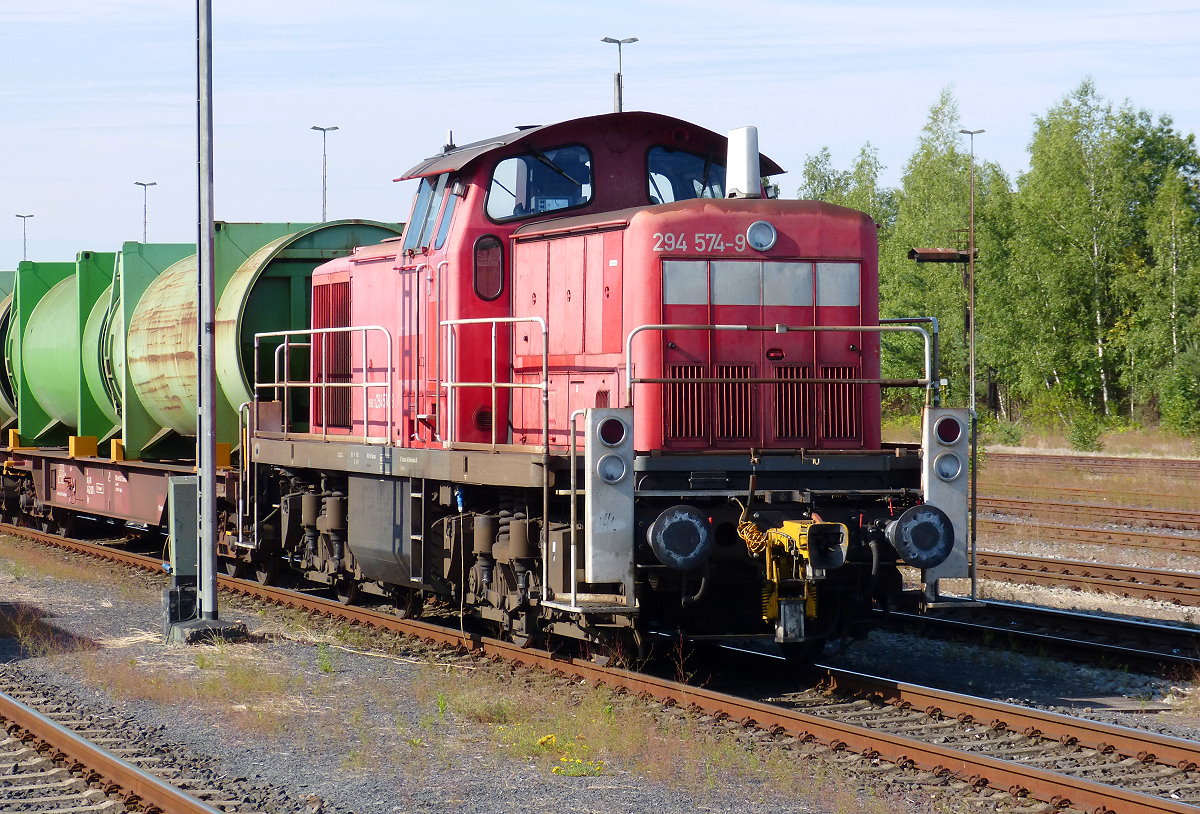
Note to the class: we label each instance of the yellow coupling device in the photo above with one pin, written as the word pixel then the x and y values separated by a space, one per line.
pixel 797 553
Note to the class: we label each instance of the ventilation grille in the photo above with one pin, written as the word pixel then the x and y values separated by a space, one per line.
pixel 793 403
pixel 734 409
pixel 841 416
pixel 331 309
pixel 685 402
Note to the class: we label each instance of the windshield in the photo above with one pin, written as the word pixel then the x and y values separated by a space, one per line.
pixel 676 175
pixel 541 181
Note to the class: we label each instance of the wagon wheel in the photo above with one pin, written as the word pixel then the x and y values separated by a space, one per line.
pixel 59 523
pixel 410 602
pixel 233 567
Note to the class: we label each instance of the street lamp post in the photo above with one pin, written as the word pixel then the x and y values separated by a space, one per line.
pixel 619 80
pixel 324 166
pixel 145 185
pixel 24 244
pixel 971 359
pixel 971 272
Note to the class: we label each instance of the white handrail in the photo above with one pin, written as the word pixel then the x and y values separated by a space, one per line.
pixel 282 378
pixel 928 382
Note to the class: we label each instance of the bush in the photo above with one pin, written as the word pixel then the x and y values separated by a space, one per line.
pixel 1179 398
pixel 1084 433
pixel 996 431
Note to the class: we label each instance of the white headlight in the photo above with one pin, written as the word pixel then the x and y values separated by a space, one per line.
pixel 761 235
pixel 610 468
pixel 947 466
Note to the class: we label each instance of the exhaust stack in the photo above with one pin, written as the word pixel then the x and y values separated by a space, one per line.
pixel 743 179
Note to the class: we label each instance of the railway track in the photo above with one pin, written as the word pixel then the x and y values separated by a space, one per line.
pixel 1129 643
pixel 1096 512
pixel 953 739
pixel 1100 464
pixel 1176 587
pixel 1092 535
pixel 58 759
pixel 1083 494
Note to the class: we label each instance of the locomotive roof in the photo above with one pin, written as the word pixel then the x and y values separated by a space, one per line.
pixel 456 158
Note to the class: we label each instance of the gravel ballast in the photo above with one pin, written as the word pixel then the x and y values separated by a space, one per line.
pixel 331 720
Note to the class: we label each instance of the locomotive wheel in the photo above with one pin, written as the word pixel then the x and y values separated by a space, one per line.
pixel 265 572
pixel 614 647
pixel 346 590
pixel 409 602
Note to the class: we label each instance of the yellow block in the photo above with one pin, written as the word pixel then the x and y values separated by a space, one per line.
pixel 14 439
pixel 82 446
pixel 117 450
pixel 224 455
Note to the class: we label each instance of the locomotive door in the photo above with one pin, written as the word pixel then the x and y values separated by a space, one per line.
pixel 417 355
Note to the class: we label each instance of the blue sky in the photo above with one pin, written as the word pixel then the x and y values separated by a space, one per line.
pixel 97 94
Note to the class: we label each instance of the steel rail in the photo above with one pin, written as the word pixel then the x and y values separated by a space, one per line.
pixel 1096 637
pixel 977 769
pixel 1107 464
pixel 1062 533
pixel 1144 745
pixel 140 788
pixel 1178 587
pixel 1081 493
pixel 1097 512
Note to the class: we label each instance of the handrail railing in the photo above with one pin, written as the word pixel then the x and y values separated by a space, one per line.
pixel 282 383
pixel 451 385
pixel 928 381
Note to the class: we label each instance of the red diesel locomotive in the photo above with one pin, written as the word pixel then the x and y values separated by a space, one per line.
pixel 604 387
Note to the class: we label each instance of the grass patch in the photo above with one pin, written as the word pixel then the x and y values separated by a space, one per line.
pixel 583 731
pixel 26 559
pixel 251 692
pixel 36 637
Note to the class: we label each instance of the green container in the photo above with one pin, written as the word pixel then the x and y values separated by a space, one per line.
pixel 106 346
pixel 263 284
pixel 8 400
pixel 50 353
pixel 42 345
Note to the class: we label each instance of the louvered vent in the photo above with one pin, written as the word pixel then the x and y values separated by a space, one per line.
pixel 331 309
pixel 733 411
pixel 685 403
pixel 793 403
pixel 841 416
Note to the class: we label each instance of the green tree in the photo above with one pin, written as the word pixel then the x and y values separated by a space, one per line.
pixel 821 181
pixel 1165 327
pixel 1075 237
pixel 930 210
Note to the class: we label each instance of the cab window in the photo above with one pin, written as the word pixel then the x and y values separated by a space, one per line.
pixel 677 175
pixel 424 212
pixel 539 182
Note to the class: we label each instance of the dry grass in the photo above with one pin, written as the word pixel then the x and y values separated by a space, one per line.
pixel 36 637
pixel 253 693
pixel 585 731
pixel 23 558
